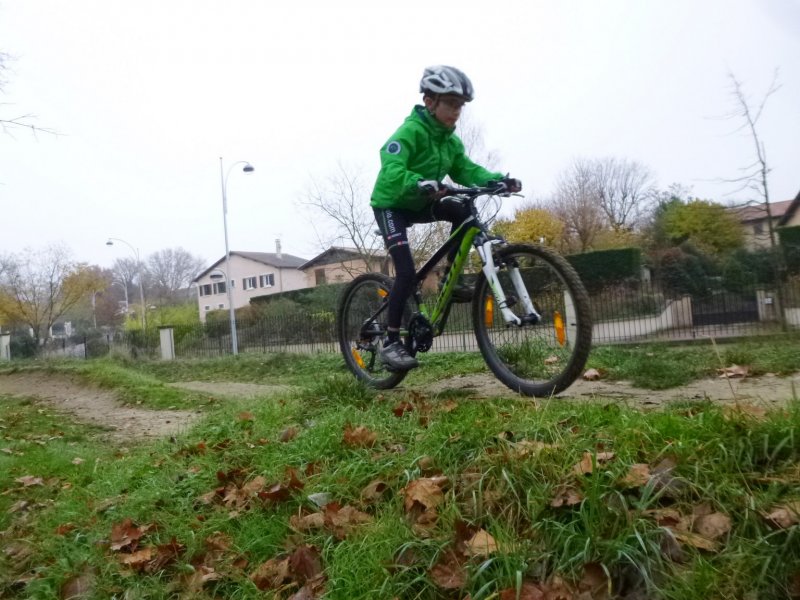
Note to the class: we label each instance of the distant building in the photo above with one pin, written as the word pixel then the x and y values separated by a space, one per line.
pixel 336 265
pixel 252 274
pixel 755 222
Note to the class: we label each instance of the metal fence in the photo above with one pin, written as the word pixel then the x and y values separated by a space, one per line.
pixel 625 313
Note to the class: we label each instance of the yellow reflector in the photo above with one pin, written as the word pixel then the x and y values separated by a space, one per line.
pixel 488 311
pixel 558 323
pixel 357 356
pixel 382 293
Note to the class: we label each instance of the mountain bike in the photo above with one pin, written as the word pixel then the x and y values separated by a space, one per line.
pixel 530 311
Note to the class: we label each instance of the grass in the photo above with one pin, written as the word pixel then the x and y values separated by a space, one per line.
pixel 507 462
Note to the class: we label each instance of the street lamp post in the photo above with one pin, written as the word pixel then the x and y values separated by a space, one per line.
pixel 248 168
pixel 110 242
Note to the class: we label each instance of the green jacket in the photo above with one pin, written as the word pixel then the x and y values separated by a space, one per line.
pixel 421 149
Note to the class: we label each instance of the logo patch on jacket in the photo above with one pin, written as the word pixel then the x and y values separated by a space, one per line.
pixel 393 147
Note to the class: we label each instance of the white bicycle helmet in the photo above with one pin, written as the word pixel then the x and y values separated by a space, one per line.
pixel 441 79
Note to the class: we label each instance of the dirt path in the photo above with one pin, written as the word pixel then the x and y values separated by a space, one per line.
pixel 767 391
pixel 96 406
pixel 125 423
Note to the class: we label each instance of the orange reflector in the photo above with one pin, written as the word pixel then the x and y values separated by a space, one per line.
pixel 382 293
pixel 357 356
pixel 558 323
pixel 488 311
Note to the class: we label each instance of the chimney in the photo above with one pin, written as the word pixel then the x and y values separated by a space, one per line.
pixel 278 248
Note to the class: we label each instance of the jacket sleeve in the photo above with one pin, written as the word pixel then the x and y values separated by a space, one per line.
pixel 465 172
pixel 396 180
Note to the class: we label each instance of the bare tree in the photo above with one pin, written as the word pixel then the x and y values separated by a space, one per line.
pixel 343 200
pixel 755 175
pixel 625 189
pixel 126 273
pixel 38 287
pixel 576 202
pixel 171 270
pixel 21 121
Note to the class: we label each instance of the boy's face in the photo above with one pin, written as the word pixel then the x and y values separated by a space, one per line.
pixel 446 108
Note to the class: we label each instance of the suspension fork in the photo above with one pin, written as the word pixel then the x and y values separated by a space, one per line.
pixel 484 248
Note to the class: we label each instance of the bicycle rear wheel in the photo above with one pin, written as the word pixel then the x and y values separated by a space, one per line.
pixel 361 326
pixel 542 358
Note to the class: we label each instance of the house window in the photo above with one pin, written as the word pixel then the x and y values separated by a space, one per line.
pixel 319 276
pixel 249 283
pixel 267 280
pixel 205 290
pixel 221 306
pixel 758 228
pixel 206 307
pixel 219 288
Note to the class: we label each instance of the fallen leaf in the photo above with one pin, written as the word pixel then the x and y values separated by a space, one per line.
pixel 481 544
pixel 734 371
pixel 246 416
pixel 784 515
pixel 526 448
pixel 528 591
pixel 77 461
pixel 592 375
pixel 637 476
pixel 566 495
pixel 426 491
pixel 126 534
pixel 712 526
pixel 288 434
pixel 359 437
pixel 307 523
pixel 201 575
pixel 29 480
pixel 342 521
pixel 594 581
pixel 137 560
pixel 305 563
pixel 374 491
pixel 586 464
pixel 448 406
pixel 696 540
pixel 448 573
pixel 552 360
pixel 78 587
pixel 272 574
pixel 402 409
pixel 64 528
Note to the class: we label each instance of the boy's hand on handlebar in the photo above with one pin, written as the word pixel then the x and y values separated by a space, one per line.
pixel 512 185
pixel 432 188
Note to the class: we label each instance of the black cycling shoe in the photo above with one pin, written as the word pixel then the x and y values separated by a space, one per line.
pixel 396 356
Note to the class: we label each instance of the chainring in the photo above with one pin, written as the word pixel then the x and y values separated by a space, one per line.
pixel 420 334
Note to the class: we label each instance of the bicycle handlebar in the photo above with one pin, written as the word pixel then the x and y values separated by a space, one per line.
pixel 500 189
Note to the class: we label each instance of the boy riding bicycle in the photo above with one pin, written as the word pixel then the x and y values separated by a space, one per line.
pixel 418 156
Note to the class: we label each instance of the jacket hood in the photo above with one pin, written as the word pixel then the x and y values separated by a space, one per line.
pixel 438 131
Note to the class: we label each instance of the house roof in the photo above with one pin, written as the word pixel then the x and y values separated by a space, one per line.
pixel 790 211
pixel 335 254
pixel 758 212
pixel 279 261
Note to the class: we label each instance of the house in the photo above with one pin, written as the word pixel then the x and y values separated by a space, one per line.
pixel 756 224
pixel 252 274
pixel 337 264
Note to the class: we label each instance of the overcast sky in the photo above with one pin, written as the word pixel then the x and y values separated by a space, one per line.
pixel 147 95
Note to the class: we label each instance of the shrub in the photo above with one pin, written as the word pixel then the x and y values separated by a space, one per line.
pixel 602 267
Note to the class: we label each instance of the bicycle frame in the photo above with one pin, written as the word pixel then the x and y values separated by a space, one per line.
pixel 470 233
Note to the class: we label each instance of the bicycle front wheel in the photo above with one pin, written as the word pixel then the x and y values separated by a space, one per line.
pixel 361 325
pixel 543 356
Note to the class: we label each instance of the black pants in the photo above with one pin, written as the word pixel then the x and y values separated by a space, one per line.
pixel 394 223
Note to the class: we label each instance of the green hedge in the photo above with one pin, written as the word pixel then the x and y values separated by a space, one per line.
pixel 321 297
pixel 601 267
pixel 790 242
